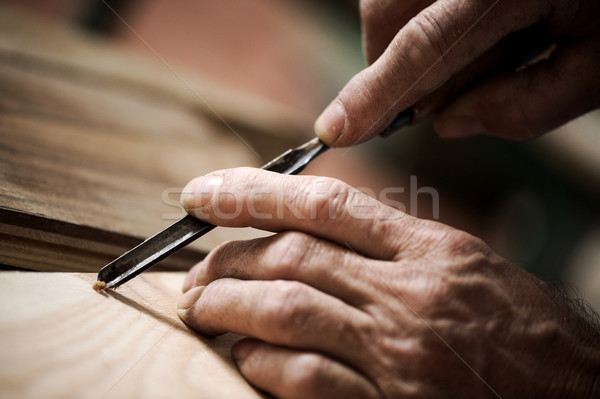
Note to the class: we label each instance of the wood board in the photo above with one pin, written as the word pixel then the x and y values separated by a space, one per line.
pixel 61 339
pixel 95 149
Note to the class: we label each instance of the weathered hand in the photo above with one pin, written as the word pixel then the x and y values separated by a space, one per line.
pixel 352 298
pixel 415 46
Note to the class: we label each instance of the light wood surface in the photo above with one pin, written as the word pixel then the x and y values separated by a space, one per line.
pixel 61 339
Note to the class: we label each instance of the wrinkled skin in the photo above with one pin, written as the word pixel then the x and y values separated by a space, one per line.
pixel 352 298
pixel 415 46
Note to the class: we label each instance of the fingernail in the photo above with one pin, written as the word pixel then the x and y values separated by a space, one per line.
pixel 330 124
pixel 187 300
pixel 198 194
pixel 460 126
pixel 241 350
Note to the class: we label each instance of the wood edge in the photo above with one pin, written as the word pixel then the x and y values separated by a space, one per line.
pixel 63 246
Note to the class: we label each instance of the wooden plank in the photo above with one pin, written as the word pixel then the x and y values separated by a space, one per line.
pixel 100 157
pixel 92 162
pixel 61 339
pixel 32 242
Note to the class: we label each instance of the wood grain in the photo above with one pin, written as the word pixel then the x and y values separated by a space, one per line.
pixel 95 148
pixel 70 52
pixel 61 339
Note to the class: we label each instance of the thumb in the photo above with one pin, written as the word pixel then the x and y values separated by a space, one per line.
pixel 423 55
pixel 370 102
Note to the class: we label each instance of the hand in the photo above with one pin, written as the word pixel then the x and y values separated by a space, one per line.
pixel 352 298
pixel 415 46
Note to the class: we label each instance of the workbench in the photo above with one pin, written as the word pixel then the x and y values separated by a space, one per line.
pixel 61 339
pixel 95 147
pixel 96 144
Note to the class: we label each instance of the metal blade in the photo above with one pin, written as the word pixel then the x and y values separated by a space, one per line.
pixel 188 229
pixel 153 250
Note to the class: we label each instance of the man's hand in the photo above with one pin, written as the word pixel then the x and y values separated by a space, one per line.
pixel 415 46
pixel 352 298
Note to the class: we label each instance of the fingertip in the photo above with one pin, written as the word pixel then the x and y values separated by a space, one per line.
pixel 187 195
pixel 198 194
pixel 330 124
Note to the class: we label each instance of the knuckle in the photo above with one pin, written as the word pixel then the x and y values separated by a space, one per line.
pixel 385 228
pixel 456 242
pixel 421 291
pixel 432 30
pixel 334 202
pixel 461 242
pixel 423 42
pixel 217 258
pixel 308 371
pixel 323 198
pixel 455 256
pixel 288 252
pixel 283 309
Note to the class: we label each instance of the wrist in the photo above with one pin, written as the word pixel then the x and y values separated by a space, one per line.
pixel 584 379
pixel 582 361
pixel 556 350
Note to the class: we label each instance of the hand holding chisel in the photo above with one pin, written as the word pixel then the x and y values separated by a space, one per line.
pixel 511 53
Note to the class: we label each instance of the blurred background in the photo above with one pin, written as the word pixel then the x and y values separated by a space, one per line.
pixel 536 203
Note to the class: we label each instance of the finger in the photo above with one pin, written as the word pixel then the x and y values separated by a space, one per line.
pixel 289 374
pixel 527 103
pixel 290 256
pixel 441 40
pixel 381 21
pixel 285 313
pixel 324 207
pixel 190 278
